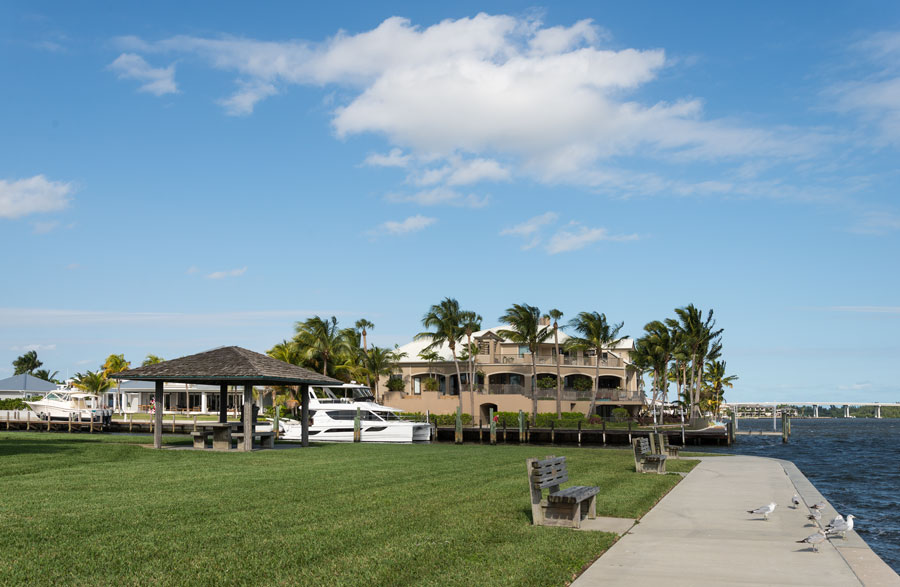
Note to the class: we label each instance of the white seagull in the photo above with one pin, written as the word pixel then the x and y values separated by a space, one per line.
pixel 814 515
pixel 814 539
pixel 841 527
pixel 795 501
pixel 764 510
pixel 838 519
pixel 819 506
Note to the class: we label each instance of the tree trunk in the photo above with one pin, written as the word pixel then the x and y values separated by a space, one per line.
pixel 534 405
pixel 558 379
pixel 470 364
pixel 458 378
pixel 596 386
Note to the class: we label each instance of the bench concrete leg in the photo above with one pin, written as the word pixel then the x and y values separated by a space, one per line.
pixel 199 442
pixel 592 507
pixel 269 442
pixel 576 515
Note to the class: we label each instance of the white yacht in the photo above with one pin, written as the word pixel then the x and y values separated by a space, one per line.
pixel 63 404
pixel 332 411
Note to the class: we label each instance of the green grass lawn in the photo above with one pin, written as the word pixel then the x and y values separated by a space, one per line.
pixel 81 509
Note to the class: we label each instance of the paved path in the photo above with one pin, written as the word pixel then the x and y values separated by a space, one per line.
pixel 700 534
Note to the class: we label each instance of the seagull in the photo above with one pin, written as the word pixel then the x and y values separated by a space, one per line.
pixel 814 539
pixel 815 515
pixel 838 519
pixel 819 506
pixel 841 527
pixel 764 510
pixel 795 501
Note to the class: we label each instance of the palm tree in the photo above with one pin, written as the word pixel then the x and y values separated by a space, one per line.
pixel 471 322
pixel 446 320
pixel 152 360
pixel 718 381
pixel 380 361
pixel 27 363
pixel 555 315
pixel 658 346
pixel 526 330
pixel 94 382
pixel 46 375
pixel 361 326
pixel 117 364
pixel 596 334
pixel 697 335
pixel 321 340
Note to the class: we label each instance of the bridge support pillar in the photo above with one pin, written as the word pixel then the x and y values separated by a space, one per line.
pixel 817 411
pixel 877 411
pixel 847 411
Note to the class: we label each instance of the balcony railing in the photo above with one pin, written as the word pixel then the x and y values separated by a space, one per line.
pixel 568 393
pixel 526 360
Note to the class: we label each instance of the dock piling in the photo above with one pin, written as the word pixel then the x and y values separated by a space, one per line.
pixel 493 428
pixel 458 437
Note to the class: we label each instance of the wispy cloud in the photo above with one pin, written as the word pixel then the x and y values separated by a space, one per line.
pixel 33 347
pixel 577 237
pixel 45 227
pixel 395 158
pixel 33 195
pixel 529 229
pixel 53 318
pixel 411 224
pixel 865 309
pixel 441 196
pixel 228 273
pixel 155 80
pixel 876 223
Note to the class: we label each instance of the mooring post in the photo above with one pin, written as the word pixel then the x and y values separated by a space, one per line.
pixel 173 423
pixel 604 432
pixel 527 430
pixel 28 420
pixel 521 427
pixel 48 423
pixel 480 432
pixel 493 427
pixel 459 429
pixel 70 422
pixel 552 432
pixel 784 428
pixel 357 429
pixel 504 430
pixel 579 432
pixel 629 431
pixel 130 421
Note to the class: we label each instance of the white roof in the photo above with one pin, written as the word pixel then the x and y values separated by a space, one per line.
pixel 412 349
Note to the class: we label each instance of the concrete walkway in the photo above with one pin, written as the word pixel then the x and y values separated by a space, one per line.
pixel 700 534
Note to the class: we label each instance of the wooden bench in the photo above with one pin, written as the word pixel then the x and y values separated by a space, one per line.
pixel 266 439
pixel 562 507
pixel 663 446
pixel 644 458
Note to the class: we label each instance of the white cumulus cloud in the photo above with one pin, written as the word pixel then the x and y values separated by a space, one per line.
pixel 155 80
pixel 33 195
pixel 441 196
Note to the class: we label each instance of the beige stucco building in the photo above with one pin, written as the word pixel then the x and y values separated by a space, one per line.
pixel 503 377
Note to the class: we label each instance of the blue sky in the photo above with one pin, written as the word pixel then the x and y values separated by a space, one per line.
pixel 175 178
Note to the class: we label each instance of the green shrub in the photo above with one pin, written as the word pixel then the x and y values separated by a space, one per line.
pixel 395 384
pixel 620 414
pixel 15 403
pixel 431 384
pixel 450 419
pixel 582 383
pixel 546 382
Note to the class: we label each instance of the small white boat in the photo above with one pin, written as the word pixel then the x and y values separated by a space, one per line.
pixel 63 404
pixel 332 411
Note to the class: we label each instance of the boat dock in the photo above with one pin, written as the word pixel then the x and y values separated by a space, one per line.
pixel 583 436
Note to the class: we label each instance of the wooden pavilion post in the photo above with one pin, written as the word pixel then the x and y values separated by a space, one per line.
pixel 248 418
pixel 304 414
pixel 223 404
pixel 158 415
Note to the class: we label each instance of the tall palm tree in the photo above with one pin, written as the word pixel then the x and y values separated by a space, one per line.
pixel 555 315
pixel 446 321
pixel 526 329
pixel 659 346
pixel 152 360
pixel 289 352
pixel 117 364
pixel 699 336
pixel 717 380
pixel 321 340
pixel 362 326
pixel 46 375
pixel 595 334
pixel 27 363
pixel 471 322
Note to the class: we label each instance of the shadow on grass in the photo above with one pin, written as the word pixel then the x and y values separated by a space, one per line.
pixel 24 447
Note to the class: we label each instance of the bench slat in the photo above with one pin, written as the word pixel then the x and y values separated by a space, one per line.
pixel 549 462
pixel 575 494
pixel 550 482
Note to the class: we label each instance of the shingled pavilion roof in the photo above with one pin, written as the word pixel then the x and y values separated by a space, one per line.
pixel 230 365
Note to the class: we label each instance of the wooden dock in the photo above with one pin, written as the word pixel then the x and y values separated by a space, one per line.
pixel 583 437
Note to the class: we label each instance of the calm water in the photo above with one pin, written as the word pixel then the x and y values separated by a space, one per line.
pixel 854 463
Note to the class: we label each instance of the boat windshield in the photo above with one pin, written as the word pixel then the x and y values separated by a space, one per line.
pixel 388 415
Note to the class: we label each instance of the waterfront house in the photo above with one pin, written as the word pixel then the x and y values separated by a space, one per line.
pixel 503 377
pixel 24 386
